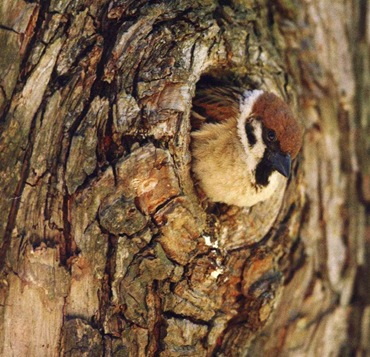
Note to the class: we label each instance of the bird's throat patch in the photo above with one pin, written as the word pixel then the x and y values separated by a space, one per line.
pixel 263 170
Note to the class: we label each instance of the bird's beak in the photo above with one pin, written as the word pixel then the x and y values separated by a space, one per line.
pixel 281 163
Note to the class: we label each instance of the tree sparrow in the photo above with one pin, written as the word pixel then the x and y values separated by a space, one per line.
pixel 242 143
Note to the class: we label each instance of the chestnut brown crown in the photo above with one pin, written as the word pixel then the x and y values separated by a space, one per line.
pixel 276 115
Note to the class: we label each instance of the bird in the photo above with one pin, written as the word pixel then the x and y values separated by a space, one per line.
pixel 242 143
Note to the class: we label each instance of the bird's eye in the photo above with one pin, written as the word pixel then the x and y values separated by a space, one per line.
pixel 271 135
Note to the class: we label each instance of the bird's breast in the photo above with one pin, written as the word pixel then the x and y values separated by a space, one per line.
pixel 222 172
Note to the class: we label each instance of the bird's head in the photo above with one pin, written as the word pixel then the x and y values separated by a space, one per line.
pixel 270 134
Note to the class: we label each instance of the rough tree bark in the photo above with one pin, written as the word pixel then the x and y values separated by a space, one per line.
pixel 106 249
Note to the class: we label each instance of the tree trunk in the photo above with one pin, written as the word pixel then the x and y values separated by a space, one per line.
pixel 108 250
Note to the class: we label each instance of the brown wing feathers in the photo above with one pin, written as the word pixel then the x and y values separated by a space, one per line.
pixel 215 104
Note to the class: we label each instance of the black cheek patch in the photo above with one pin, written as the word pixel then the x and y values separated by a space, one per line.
pixel 263 170
pixel 249 130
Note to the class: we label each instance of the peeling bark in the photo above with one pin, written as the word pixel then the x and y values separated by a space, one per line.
pixel 107 248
